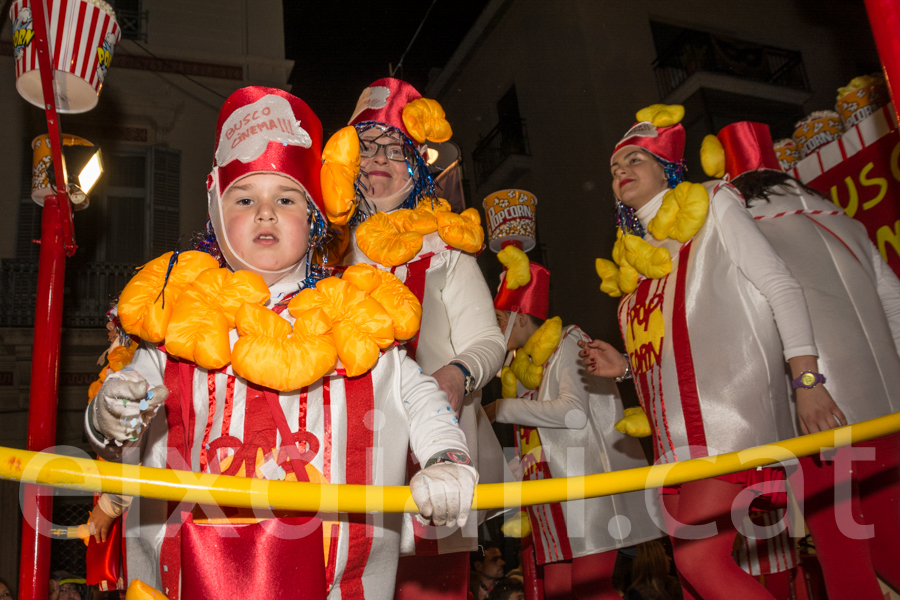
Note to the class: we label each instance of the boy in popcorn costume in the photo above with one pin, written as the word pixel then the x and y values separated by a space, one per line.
pixel 236 360
pixel 564 424
pixel 396 223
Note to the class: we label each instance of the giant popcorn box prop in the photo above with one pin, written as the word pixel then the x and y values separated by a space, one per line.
pixel 43 163
pixel 864 95
pixel 787 153
pixel 510 217
pixel 817 129
pixel 82 37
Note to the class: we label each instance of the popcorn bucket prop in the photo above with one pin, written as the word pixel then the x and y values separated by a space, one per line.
pixel 82 37
pixel 816 130
pixel 787 153
pixel 510 216
pixel 860 103
pixel 43 162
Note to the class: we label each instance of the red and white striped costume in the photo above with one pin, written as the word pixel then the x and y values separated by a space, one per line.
pixel 359 430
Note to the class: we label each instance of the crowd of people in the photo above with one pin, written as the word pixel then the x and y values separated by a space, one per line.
pixel 332 325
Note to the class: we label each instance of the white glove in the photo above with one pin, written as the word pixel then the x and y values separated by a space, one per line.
pixel 125 405
pixel 443 492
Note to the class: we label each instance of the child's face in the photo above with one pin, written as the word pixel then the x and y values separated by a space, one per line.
pixel 266 221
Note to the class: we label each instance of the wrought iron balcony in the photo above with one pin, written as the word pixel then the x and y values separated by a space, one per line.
pixel 133 23
pixel 90 287
pixel 695 51
pixel 508 138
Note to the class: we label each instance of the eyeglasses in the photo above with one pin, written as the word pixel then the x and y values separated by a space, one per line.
pixel 394 152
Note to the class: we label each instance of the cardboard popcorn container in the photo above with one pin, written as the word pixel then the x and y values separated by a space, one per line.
pixel 817 129
pixel 859 103
pixel 787 153
pixel 42 159
pixel 83 36
pixel 510 216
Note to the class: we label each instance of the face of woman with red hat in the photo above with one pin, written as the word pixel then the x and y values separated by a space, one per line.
pixel 637 176
pixel 383 168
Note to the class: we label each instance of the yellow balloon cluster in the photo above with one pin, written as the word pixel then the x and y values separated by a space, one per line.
pixel 352 319
pixel 712 157
pixel 394 238
pixel 425 120
pixel 632 257
pixel 682 213
pixel 340 168
pixel 528 365
pixel 147 302
pixel 634 423
pixel 517 526
pixel 662 115
pixel 518 271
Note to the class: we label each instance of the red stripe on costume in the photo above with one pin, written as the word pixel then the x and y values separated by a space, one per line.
pixel 416 274
pixel 229 406
pixel 559 523
pixel 211 388
pixel 301 409
pixel 360 439
pixel 836 236
pixel 684 361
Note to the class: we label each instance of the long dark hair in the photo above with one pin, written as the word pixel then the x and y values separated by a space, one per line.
pixel 650 572
pixel 757 185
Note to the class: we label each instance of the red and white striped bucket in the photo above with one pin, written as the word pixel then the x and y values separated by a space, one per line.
pixel 82 36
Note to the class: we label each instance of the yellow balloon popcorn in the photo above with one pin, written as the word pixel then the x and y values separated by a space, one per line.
pixel 634 423
pixel 340 168
pixel 712 157
pixel 518 271
pixel 425 120
pixel 682 213
pixel 662 115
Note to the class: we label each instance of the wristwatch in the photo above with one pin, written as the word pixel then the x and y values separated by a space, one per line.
pixel 470 381
pixel 808 380
pixel 627 373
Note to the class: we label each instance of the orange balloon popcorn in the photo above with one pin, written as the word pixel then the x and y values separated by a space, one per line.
pixel 462 231
pixel 425 119
pixel 272 354
pixel 146 303
pixel 340 167
pixel 120 356
pixel 400 303
pixel 381 241
pixel 360 325
pixel 420 221
pixel 204 315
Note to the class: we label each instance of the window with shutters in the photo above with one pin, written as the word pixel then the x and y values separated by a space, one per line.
pixel 133 216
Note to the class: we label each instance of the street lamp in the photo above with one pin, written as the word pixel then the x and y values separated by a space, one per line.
pixel 84 166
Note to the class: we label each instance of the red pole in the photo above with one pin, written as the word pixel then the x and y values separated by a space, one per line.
pixel 884 16
pixel 57 242
pixel 34 577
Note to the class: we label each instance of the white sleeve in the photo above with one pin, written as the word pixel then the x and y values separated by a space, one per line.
pixel 752 253
pixel 567 411
pixel 150 362
pixel 888 286
pixel 114 504
pixel 476 338
pixel 433 425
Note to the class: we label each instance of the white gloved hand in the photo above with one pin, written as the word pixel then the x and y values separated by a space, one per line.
pixel 443 492
pixel 125 405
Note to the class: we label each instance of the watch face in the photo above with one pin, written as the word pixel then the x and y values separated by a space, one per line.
pixel 808 379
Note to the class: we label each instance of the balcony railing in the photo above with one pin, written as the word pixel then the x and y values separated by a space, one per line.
pixel 133 23
pixel 695 51
pixel 89 289
pixel 509 137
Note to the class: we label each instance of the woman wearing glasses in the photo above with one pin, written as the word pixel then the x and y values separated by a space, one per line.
pixel 398 224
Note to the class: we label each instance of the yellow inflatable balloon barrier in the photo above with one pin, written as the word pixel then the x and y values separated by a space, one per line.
pixel 98 476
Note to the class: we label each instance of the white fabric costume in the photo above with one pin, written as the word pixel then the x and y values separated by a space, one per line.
pixel 565 428
pixel 458 324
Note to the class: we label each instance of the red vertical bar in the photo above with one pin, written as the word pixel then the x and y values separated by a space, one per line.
pixel 34 574
pixel 884 16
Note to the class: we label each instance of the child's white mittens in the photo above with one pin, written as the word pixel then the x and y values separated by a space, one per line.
pixel 125 405
pixel 443 492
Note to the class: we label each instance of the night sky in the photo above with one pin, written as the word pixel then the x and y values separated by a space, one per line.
pixel 340 47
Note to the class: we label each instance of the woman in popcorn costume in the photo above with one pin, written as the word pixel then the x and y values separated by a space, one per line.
pixel 854 303
pixel 243 357
pixel 565 428
pixel 398 224
pixel 699 291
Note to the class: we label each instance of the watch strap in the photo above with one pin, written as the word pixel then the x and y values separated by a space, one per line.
pixel 808 380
